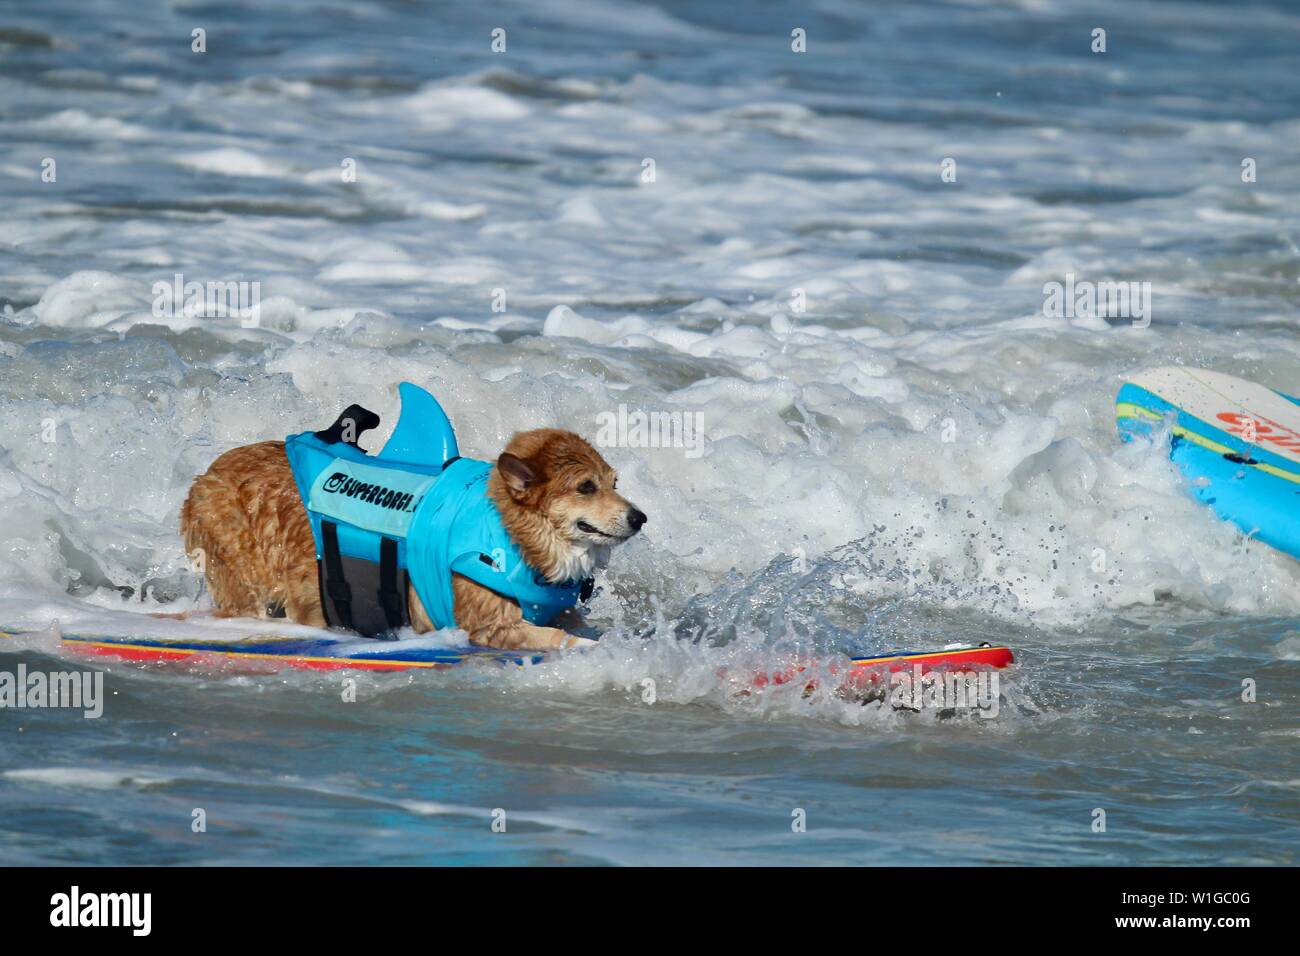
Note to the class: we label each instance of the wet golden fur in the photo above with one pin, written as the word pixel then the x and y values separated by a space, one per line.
pixel 554 491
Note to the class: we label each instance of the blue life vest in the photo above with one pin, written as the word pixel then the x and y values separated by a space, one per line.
pixel 380 524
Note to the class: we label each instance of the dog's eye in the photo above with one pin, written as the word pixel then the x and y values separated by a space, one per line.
pixel 588 487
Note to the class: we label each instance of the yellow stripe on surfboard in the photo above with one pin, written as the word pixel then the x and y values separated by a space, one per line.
pixel 1127 410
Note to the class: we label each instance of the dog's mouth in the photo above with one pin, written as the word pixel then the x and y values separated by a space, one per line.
pixel 588 528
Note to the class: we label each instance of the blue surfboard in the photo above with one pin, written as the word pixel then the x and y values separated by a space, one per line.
pixel 1237 442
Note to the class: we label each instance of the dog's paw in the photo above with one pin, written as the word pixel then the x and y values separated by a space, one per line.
pixel 576 642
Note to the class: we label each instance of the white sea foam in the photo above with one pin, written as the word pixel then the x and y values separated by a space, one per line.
pixel 87 778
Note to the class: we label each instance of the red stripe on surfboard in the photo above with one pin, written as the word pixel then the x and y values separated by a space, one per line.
pixel 127 653
pixel 868 672
pixel 997 657
pixel 268 661
pixel 864 672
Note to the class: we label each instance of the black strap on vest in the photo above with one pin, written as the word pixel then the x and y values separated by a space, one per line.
pixel 373 603
pixel 390 598
pixel 336 585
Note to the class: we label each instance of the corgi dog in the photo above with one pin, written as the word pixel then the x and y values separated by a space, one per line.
pixel 555 494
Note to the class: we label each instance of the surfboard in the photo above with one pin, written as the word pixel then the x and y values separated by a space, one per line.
pixel 866 675
pixel 259 652
pixel 1237 442
pixel 271 651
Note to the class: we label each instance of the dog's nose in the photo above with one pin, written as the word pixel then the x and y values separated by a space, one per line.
pixel 636 518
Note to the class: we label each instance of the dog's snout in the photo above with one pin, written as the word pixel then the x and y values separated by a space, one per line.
pixel 636 518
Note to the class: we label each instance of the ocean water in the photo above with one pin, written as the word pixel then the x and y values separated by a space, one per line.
pixel 901 449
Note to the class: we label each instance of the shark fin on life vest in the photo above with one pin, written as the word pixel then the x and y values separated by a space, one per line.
pixel 423 435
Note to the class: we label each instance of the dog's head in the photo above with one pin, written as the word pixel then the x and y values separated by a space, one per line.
pixel 558 499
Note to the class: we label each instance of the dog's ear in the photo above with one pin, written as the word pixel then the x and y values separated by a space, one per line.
pixel 518 474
